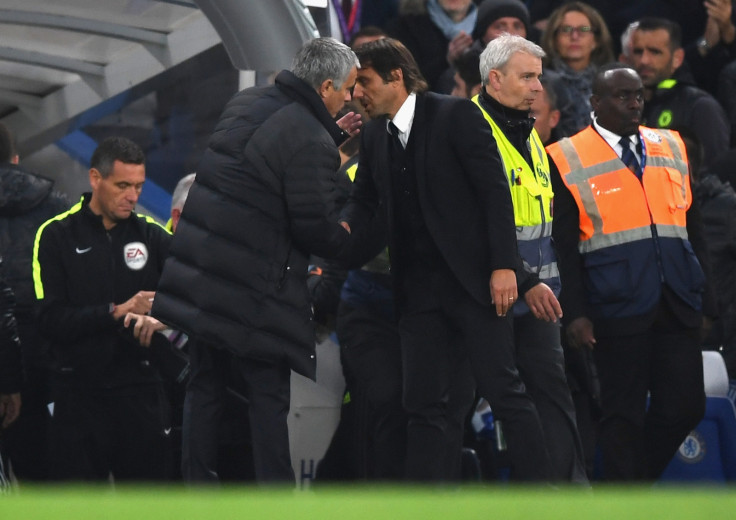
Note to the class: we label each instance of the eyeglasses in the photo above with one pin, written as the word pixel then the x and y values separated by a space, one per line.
pixel 568 30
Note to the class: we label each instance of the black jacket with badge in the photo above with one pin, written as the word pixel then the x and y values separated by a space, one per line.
pixel 79 269
pixel 264 199
pixel 677 103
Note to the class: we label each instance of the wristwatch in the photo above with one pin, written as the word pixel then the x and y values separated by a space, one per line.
pixel 703 46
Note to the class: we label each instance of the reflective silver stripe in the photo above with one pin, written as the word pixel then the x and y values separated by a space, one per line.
pixel 601 241
pixel 546 272
pixel 533 232
pixel 573 160
pixel 540 151
pixel 674 146
pixel 549 271
pixel 669 231
pixel 584 174
pixel 591 208
pixel 667 162
pixel 578 175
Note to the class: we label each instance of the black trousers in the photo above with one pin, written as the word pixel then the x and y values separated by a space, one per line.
pixel 437 317
pixel 370 352
pixel 637 442
pixel 25 443
pixel 267 387
pixel 95 432
pixel 541 364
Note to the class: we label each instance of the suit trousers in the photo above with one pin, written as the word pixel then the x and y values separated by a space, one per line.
pixel 638 441
pixel 541 364
pixel 267 386
pixel 370 353
pixel 440 321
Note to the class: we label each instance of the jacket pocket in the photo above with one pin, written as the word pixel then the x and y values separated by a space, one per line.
pixel 677 196
pixel 609 280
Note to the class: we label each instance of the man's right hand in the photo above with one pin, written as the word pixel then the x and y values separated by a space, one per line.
pixel 140 303
pixel 580 333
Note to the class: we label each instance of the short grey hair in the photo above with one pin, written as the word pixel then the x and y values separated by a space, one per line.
pixel 181 191
pixel 321 59
pixel 626 38
pixel 498 52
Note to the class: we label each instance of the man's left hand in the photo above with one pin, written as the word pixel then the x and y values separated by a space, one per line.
pixel 350 123
pixel 503 290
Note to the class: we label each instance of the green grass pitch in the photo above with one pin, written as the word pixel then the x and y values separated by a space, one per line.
pixel 361 502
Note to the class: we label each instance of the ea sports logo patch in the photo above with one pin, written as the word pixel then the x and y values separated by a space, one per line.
pixel 135 255
pixel 692 449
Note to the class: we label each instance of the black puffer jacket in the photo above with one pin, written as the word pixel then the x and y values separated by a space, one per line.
pixel 718 207
pixel 10 367
pixel 262 202
pixel 26 201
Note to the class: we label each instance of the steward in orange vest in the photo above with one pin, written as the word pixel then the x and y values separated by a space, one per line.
pixel 634 292
pixel 633 234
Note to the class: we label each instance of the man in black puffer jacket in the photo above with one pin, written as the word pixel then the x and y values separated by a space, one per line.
pixel 27 200
pixel 262 202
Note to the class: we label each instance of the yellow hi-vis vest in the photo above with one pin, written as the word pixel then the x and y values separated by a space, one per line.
pixel 532 195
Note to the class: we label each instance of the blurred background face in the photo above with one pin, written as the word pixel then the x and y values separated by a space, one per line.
pixel 575 40
pixel 651 56
pixel 546 118
pixel 506 24
pixel 456 9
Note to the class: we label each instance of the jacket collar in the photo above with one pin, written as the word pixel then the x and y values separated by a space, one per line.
pixel 303 93
pixel 511 120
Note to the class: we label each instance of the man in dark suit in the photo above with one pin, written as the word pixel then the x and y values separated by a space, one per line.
pixel 438 182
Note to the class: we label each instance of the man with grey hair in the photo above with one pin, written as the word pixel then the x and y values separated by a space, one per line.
pixel 261 203
pixel 627 45
pixel 178 199
pixel 511 67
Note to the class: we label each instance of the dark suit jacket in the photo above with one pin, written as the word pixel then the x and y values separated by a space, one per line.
pixel 462 189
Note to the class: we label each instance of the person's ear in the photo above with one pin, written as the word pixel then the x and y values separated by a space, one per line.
pixel 324 88
pixel 494 79
pixel 554 118
pixel 595 101
pixel 15 159
pixel 677 58
pixel 397 75
pixel 95 177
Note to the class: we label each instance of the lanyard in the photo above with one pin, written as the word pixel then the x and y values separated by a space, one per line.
pixel 351 26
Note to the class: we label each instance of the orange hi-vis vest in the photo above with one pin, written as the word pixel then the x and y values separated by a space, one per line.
pixel 633 234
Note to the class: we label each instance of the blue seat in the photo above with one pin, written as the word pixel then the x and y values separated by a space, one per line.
pixel 709 452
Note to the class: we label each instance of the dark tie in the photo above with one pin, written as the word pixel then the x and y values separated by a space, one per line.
pixel 629 157
pixel 397 149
